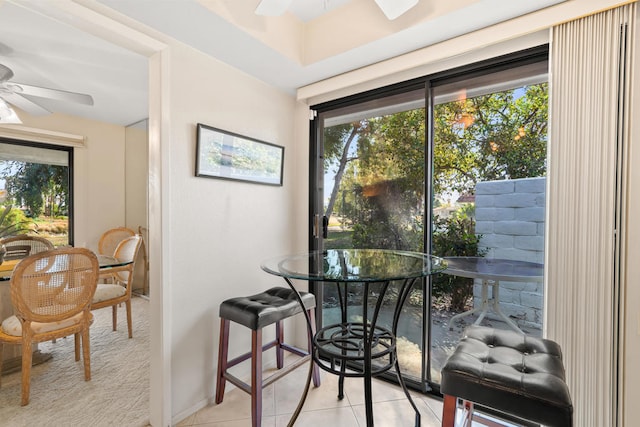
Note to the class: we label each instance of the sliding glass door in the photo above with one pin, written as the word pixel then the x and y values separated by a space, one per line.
pixel 489 180
pixel 373 197
pixel 421 166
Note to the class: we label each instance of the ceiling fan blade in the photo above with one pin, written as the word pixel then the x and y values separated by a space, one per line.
pixel 8 114
pixel 394 8
pixel 59 95
pixel 24 104
pixel 5 73
pixel 273 7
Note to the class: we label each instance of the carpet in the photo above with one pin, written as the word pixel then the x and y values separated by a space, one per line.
pixel 118 393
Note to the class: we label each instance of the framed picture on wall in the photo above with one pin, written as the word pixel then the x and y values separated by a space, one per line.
pixel 226 155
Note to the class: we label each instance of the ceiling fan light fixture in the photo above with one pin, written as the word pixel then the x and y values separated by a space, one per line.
pixel 272 7
pixel 8 114
pixel 394 8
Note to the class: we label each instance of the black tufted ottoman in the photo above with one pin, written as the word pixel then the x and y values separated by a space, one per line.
pixel 512 373
pixel 255 312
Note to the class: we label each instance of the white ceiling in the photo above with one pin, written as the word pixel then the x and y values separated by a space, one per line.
pixel 48 52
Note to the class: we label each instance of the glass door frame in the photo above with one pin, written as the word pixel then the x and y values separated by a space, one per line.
pixel 316 170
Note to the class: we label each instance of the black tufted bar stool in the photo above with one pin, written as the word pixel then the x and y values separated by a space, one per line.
pixel 512 373
pixel 255 312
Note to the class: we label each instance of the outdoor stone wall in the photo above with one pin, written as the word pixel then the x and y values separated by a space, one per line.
pixel 510 218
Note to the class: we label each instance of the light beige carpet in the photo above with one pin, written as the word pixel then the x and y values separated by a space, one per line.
pixel 118 393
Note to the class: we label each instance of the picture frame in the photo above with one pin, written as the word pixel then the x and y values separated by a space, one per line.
pixel 226 155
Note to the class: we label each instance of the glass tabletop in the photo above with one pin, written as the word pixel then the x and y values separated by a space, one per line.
pixel 354 265
pixel 106 261
pixel 494 269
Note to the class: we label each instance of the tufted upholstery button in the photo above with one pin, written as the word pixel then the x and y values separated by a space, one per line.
pixel 510 372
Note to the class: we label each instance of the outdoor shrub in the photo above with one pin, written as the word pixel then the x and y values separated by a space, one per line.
pixel 455 236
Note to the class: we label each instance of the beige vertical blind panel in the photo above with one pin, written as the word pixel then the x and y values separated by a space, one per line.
pixel 588 85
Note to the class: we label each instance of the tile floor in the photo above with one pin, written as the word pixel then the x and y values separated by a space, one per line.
pixel 322 408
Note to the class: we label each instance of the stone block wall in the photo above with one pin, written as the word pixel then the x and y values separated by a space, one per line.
pixel 510 218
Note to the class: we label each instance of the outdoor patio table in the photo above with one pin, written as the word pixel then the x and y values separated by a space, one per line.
pixel 357 343
pixel 491 271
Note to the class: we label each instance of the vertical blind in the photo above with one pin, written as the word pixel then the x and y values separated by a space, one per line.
pixel 589 117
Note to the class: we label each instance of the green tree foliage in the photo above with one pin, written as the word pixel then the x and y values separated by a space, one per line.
pixel 379 169
pixel 41 188
pixel 12 222
pixel 502 135
pixel 338 141
pixel 455 236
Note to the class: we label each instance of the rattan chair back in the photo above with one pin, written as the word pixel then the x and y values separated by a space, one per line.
pixel 111 238
pixel 127 250
pixel 19 247
pixel 54 285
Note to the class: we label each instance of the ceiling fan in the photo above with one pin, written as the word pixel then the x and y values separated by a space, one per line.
pixel 12 93
pixel 391 8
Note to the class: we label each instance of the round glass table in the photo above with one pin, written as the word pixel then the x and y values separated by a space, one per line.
pixel 364 347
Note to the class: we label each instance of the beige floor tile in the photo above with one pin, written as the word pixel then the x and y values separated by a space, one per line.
pixel 382 391
pixel 322 407
pixel 435 405
pixel 235 406
pixel 187 421
pixel 335 417
pixel 289 390
pixel 397 413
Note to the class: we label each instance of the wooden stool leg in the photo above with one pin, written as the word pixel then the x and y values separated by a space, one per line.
pixel 256 378
pixel 223 352
pixel 279 342
pixel 449 411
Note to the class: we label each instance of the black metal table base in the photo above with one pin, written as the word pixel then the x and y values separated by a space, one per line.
pixel 357 345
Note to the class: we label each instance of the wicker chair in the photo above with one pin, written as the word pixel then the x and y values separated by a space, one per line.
pixel 51 294
pixel 111 238
pixel 112 294
pixel 19 247
pixel 109 242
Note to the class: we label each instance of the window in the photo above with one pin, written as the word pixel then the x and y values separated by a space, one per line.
pixel 452 164
pixel 37 178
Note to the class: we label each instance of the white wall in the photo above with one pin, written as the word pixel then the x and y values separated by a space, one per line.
pixel 99 178
pixel 136 174
pixel 220 230
pixel 136 184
